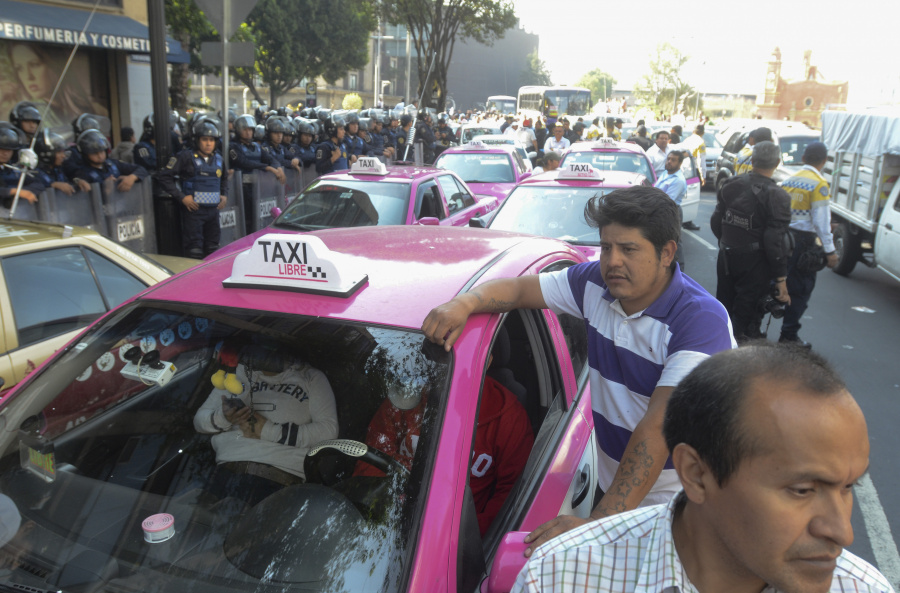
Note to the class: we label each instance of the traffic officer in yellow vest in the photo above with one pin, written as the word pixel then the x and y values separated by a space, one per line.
pixel 742 162
pixel 813 243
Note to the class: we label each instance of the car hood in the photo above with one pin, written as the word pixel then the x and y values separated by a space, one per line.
pixel 592 252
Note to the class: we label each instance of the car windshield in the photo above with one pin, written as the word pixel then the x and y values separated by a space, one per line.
pixel 478 167
pixel 792 148
pixel 243 430
pixel 569 102
pixel 470 132
pixel 611 161
pixel 709 138
pixel 556 212
pixel 501 105
pixel 329 204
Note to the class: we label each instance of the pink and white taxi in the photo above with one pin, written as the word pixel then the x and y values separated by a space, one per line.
pixel 552 205
pixel 275 420
pixel 371 194
pixel 491 169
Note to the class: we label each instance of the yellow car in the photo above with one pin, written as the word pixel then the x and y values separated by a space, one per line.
pixel 55 280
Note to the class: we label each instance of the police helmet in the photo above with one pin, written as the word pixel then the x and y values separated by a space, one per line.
pixel 85 122
pixel 260 113
pixel 365 113
pixel 304 127
pixel 231 115
pixel 24 111
pixel 148 124
pixel 443 119
pixel 308 113
pixel 11 138
pixel 405 119
pixel 285 111
pixel 277 124
pixel 365 124
pixel 332 125
pixel 244 122
pixel 47 144
pixel 259 133
pixel 206 128
pixel 323 115
pixel 92 142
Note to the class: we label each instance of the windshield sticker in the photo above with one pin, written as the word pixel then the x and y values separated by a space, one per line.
pixel 148 343
pixel 346 195
pixel 167 337
pixel 86 374
pixel 184 330
pixel 106 361
pixel 202 323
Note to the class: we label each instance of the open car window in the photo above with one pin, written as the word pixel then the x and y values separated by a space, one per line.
pixel 112 450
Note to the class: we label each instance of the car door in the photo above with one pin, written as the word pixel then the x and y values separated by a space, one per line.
pixel 690 204
pixel 461 204
pixel 429 204
pixel 548 361
pixel 887 236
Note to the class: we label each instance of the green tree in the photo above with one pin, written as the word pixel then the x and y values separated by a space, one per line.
pixel 188 26
pixel 600 84
pixel 436 26
pixel 663 90
pixel 535 72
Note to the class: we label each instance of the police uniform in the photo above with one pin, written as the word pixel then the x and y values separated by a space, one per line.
pixel 204 179
pixel 145 155
pixel 743 161
pixel 49 175
pixel 376 144
pixel 9 180
pixel 277 154
pixel 750 221
pixel 810 220
pixel 109 168
pixel 355 145
pixel 323 157
pixel 402 138
pixel 73 162
pixel 306 154
pixel 249 157
pixel 426 135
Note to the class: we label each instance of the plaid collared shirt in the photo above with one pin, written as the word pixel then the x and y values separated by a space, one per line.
pixel 635 552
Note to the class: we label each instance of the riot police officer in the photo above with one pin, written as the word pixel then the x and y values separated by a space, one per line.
pixel 356 146
pixel 26 117
pixel 246 155
pixel 306 150
pixel 332 155
pixel 13 139
pixel 97 167
pixel 378 146
pixel 445 136
pixel 750 221
pixel 425 134
pixel 145 150
pixel 74 161
pixel 204 189
pixel 403 136
pixel 51 152
pixel 276 127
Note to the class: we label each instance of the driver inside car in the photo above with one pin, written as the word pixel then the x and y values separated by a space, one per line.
pixel 265 412
pixel 503 441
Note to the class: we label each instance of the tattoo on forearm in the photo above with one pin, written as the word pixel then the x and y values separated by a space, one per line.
pixel 493 305
pixel 634 471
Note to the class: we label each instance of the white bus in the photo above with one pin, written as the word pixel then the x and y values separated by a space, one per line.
pixel 554 101
pixel 501 104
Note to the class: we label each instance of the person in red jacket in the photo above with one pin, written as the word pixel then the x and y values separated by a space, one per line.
pixel 503 441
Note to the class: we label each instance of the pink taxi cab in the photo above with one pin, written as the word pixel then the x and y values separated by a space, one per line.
pixel 493 169
pixel 275 420
pixel 552 205
pixel 371 194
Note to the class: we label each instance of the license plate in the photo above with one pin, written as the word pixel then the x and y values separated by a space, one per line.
pixel 40 464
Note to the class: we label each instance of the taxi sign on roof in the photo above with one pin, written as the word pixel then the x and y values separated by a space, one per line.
pixel 604 142
pixel 579 171
pixel 477 144
pixel 365 165
pixel 300 263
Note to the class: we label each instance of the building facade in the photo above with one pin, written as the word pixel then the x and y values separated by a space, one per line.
pixel 799 100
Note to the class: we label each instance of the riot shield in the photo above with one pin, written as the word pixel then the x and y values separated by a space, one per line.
pixel 129 215
pixel 231 217
pixel 265 193
pixel 80 209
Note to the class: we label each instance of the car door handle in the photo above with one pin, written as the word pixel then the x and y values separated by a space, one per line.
pixel 889 226
pixel 582 486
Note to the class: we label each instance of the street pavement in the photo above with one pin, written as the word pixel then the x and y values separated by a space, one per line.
pixel 855 323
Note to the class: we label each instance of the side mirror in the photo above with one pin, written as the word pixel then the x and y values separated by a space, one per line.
pixel 508 563
pixel 477 222
pixel 428 221
pixel 275 212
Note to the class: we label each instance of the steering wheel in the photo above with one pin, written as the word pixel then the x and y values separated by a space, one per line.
pixel 361 452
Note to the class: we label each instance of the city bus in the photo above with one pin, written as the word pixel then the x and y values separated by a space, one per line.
pixel 554 101
pixel 501 104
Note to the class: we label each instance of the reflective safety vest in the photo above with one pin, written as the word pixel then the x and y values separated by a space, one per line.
pixel 206 183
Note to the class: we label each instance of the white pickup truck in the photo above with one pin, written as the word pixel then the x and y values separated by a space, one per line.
pixel 863 168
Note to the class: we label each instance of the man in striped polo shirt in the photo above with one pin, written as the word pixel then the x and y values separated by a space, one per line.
pixel 648 326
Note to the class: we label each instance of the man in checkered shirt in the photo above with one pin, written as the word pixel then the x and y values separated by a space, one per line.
pixel 768 445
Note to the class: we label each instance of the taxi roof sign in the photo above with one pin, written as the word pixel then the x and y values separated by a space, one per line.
pixel 298 263
pixel 579 171
pixel 365 165
pixel 479 144
pixel 604 142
